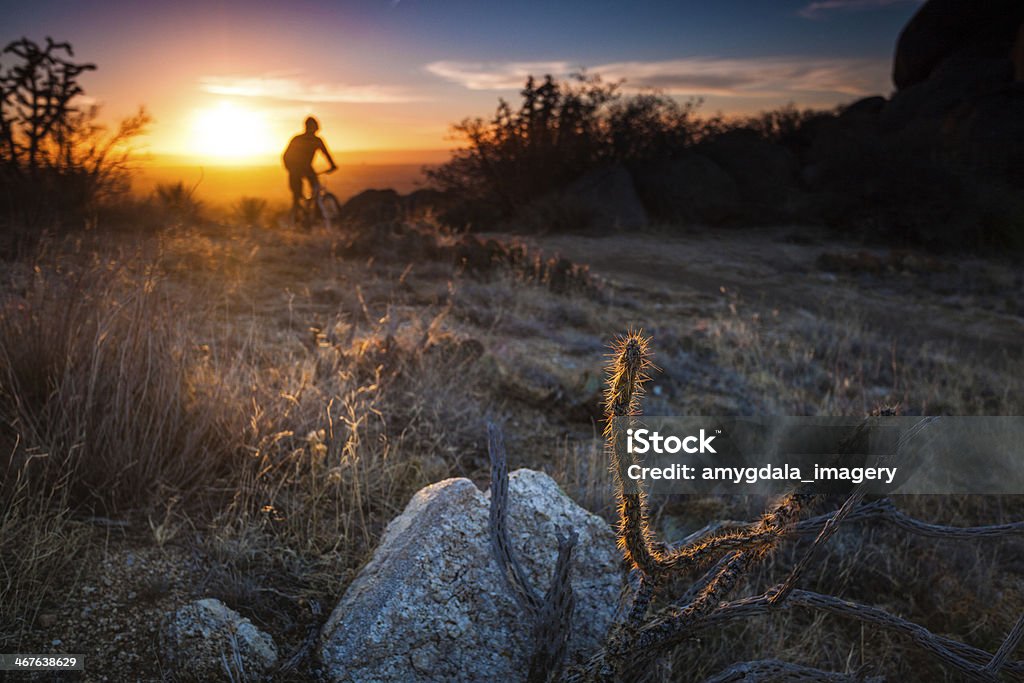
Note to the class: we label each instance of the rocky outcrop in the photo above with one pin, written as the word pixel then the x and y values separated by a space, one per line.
pixel 690 189
pixel 764 172
pixel 989 134
pixel 372 207
pixel 606 199
pixel 207 641
pixel 427 200
pixel 959 90
pixel 942 29
pixel 940 162
pixel 432 604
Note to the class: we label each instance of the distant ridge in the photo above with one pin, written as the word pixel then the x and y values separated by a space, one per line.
pixel 365 156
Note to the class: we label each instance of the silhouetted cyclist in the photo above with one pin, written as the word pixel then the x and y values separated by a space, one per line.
pixel 298 159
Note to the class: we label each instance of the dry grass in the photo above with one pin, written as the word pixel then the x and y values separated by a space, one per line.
pixel 96 382
pixel 840 363
pixel 264 402
pixel 746 358
pixel 930 589
pixel 274 436
pixel 41 552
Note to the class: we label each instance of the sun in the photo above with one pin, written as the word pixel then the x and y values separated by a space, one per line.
pixel 230 133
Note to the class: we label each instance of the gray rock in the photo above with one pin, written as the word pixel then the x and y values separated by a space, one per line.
pixel 373 207
pixel 764 172
pixel 432 605
pixel 606 199
pixel 689 189
pixel 956 83
pixel 863 111
pixel 941 28
pixel 427 200
pixel 988 135
pixel 207 641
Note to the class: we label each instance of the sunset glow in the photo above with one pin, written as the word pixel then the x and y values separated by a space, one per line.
pixel 230 133
pixel 229 83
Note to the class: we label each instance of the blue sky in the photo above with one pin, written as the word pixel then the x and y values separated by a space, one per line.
pixel 396 73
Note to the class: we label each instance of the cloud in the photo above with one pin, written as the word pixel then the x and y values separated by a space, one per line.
pixel 495 75
pixel 294 89
pixel 815 10
pixel 749 77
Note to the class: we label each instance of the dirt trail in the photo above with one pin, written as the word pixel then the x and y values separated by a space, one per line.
pixel 976 304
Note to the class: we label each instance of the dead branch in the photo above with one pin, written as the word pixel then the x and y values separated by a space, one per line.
pixel 886 511
pixel 554 621
pixel 969 660
pixel 551 615
pixel 777 671
pixel 1010 644
pixel 501 547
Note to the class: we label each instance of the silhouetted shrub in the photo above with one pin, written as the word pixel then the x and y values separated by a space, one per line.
pixel 177 203
pixel 843 168
pixel 250 211
pixel 560 131
pixel 56 160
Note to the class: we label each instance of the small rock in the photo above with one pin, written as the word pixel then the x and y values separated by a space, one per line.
pixel 198 639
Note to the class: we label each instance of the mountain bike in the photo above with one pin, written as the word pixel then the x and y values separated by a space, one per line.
pixel 322 206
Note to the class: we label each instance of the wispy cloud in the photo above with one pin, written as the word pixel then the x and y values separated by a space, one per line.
pixel 750 77
pixel 816 10
pixel 295 89
pixel 495 75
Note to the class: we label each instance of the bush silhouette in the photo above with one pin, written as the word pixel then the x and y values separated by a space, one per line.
pixel 559 131
pixel 56 159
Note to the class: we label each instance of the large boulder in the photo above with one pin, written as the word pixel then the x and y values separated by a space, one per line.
pixel 836 148
pixel 207 641
pixel 942 28
pixel 432 604
pixel 427 200
pixel 765 172
pixel 953 58
pixel 988 135
pixel 687 190
pixel 372 207
pixel 1017 55
pixel 864 111
pixel 953 84
pixel 605 199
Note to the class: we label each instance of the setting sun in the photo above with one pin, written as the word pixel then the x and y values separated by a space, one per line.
pixel 229 133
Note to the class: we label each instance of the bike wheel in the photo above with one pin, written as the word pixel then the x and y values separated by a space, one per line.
pixel 330 210
pixel 309 214
pixel 299 216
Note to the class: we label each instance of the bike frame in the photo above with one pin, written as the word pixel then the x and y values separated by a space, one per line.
pixel 318 203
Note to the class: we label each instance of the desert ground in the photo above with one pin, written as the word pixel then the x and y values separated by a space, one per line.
pixel 301 387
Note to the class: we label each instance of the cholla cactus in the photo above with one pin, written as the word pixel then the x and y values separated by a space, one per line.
pixel 725 557
pixel 627 372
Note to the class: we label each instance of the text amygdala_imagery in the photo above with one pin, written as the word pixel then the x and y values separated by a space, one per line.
pixel 882 455
pixel 753 475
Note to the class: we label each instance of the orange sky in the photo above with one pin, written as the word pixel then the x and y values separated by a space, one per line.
pixel 230 81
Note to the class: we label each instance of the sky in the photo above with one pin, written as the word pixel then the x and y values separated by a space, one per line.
pixel 231 80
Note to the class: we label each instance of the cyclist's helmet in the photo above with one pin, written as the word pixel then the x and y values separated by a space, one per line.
pixel 311 125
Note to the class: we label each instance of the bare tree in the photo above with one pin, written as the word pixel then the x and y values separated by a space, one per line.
pixel 52 142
